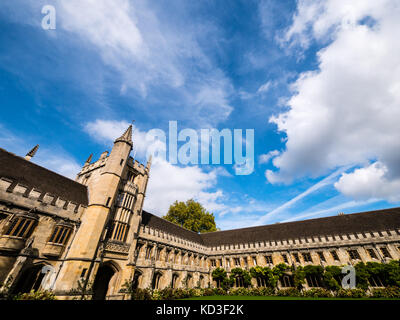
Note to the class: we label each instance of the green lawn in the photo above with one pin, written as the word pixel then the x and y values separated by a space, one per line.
pixel 275 298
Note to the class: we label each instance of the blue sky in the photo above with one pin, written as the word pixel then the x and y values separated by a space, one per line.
pixel 318 81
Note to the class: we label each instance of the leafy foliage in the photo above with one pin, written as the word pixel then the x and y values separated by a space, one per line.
pixel 244 274
pixel 331 276
pixel 192 216
pixel 36 295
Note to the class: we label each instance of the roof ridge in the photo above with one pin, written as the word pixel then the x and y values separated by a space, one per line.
pixel 300 221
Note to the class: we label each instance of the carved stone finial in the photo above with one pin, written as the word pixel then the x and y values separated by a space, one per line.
pixel 32 153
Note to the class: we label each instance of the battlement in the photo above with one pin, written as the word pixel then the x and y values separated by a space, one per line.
pixel 88 167
pixel 19 194
pixel 137 166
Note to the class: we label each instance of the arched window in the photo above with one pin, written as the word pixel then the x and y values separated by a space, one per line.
pixel 189 281
pixel 156 280
pixel 174 282
pixel 314 280
pixel 137 277
pixel 201 280
pixel 287 281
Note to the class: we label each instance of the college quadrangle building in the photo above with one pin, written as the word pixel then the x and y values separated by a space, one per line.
pixel 56 232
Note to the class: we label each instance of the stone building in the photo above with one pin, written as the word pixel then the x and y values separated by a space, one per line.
pixel 61 235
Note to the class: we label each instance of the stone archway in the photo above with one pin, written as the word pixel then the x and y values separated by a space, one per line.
pixel 104 281
pixel 31 278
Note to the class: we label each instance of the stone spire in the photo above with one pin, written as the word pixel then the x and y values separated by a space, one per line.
pixel 126 137
pixel 148 165
pixel 31 153
pixel 89 160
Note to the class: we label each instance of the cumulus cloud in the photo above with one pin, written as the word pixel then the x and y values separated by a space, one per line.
pixel 264 158
pixel 169 183
pixel 108 130
pixel 370 182
pixel 150 52
pixel 346 111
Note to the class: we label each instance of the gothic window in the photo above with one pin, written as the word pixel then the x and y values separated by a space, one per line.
pixel 174 283
pixel 213 264
pixel 314 281
pixel 220 262
pixel 372 253
pixel 119 231
pixel 334 255
pixel 268 259
pixel 245 262
pixel 120 199
pixel 375 281
pixel 167 253
pixel 176 256
pixel 321 256
pixel 354 255
pixel 138 248
pixel 296 257
pixel 239 281
pixel 307 257
pixel 130 176
pixel 136 279
pixel 254 261
pixel 156 280
pixel 20 227
pixel 287 281
pixel 148 252
pixel 237 261
pixel 228 263
pixel 285 259
pixel 158 254
pixel 60 235
pixel 385 252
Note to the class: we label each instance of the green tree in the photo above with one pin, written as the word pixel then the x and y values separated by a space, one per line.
pixel 192 216
pixel 220 276
pixel 332 276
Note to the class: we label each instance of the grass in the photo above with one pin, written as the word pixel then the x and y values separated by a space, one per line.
pixel 275 298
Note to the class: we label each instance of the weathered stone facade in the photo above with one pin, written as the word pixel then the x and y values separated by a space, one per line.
pixel 60 234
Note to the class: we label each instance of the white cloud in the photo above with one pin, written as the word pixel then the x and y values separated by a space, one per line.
pixel 264 158
pixel 370 183
pixel 347 111
pixel 265 87
pixel 107 131
pixel 169 183
pixel 62 164
pixel 150 53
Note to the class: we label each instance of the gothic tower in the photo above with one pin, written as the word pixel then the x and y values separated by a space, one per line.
pixel 116 185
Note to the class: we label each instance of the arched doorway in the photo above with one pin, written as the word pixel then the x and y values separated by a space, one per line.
pixel 31 279
pixel 102 281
